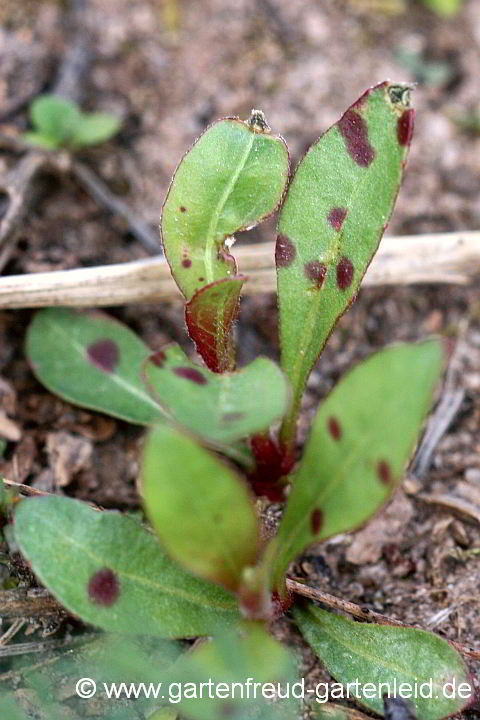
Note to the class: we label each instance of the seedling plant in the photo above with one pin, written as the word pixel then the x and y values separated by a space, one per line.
pixel 221 436
pixel 59 123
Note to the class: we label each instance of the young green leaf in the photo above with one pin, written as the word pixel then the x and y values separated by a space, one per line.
pixel 219 408
pixel 93 361
pixel 385 657
pixel 55 117
pixel 95 128
pixel 361 438
pixel 110 571
pixel 201 511
pixel 40 140
pixel 444 7
pixel 336 210
pixel 231 179
pixel 244 669
pixel 210 316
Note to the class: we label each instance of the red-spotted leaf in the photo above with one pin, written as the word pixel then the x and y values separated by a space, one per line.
pixel 110 571
pixel 91 360
pixel 337 207
pixel 219 408
pixel 200 509
pixel 210 316
pixel 96 362
pixel 233 177
pixel 360 441
pixel 374 660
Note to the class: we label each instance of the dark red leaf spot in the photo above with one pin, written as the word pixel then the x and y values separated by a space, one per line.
pixel 201 279
pixel 158 358
pixel 354 131
pixel 232 416
pixel 405 125
pixel 104 588
pixel 316 271
pixel 316 520
pixel 103 354
pixel 285 251
pixel 336 217
pixel 183 209
pixel 384 472
pixel 334 428
pixel 186 263
pixel 345 272
pixel 191 374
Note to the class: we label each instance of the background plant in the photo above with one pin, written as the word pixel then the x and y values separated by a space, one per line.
pixel 59 123
pixel 444 7
pixel 330 225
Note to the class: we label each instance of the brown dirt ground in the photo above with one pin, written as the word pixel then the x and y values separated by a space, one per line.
pixel 168 69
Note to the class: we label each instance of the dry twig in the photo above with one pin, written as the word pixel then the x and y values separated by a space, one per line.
pixel 445 258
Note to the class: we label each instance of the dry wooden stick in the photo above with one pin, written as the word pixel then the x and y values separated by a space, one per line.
pixel 26 603
pixel 443 258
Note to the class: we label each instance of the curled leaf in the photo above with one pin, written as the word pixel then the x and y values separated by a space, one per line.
pixel 233 177
pixel 210 316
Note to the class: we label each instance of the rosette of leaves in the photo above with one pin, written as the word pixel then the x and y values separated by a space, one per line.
pixel 209 568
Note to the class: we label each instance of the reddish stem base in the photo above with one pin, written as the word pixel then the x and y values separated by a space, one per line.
pixel 272 466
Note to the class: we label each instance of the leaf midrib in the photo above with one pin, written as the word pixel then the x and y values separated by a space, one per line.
pixel 215 217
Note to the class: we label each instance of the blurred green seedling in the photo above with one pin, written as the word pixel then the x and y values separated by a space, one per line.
pixel 59 123
pixel 447 8
pixel 221 436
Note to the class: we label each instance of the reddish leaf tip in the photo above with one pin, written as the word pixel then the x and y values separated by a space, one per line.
pixel 285 251
pixel 104 588
pixel 104 354
pixel 316 272
pixel 191 374
pixel 345 272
